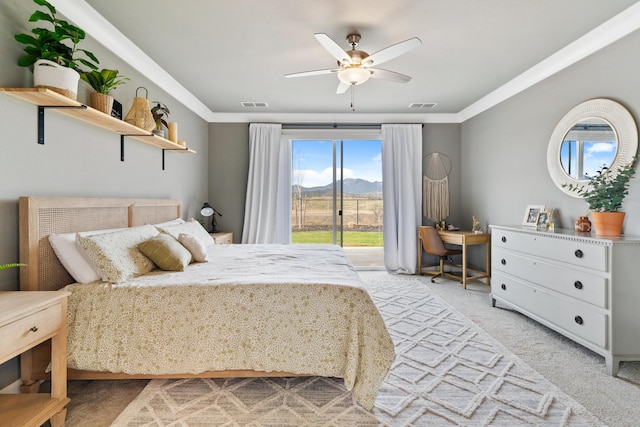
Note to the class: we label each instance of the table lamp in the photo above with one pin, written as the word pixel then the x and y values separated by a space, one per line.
pixel 208 211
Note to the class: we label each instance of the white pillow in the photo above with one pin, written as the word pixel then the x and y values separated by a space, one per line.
pixel 64 246
pixel 197 249
pixel 192 227
pixel 176 221
pixel 115 255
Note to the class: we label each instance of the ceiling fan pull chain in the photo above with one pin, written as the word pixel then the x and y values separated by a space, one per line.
pixel 353 90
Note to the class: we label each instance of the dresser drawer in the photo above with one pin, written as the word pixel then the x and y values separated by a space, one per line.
pixel 574 252
pixel 579 284
pixel 568 315
pixel 30 330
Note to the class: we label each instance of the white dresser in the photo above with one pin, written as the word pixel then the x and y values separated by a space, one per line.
pixel 585 287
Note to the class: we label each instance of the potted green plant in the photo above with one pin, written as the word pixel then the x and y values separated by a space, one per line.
pixel 604 193
pixel 53 52
pixel 160 113
pixel 103 82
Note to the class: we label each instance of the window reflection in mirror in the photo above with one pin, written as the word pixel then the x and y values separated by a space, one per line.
pixel 588 146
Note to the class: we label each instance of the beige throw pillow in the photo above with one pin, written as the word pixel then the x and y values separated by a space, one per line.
pixel 166 252
pixel 194 246
pixel 192 227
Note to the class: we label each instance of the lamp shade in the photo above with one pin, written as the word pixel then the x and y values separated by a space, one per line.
pixel 354 75
pixel 206 210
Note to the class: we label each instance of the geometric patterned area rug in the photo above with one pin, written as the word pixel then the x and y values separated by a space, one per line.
pixel 448 372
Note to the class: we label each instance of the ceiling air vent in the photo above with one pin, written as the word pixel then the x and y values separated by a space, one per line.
pixel 248 104
pixel 423 104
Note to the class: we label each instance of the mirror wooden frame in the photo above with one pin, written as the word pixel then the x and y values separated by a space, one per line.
pixel 621 121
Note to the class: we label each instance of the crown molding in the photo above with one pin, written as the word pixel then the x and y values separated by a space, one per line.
pixel 603 35
pixel 87 18
pixel 83 15
pixel 266 117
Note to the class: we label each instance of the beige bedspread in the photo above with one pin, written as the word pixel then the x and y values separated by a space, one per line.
pixel 292 308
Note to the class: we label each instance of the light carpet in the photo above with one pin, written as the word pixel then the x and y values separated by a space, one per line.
pixel 447 371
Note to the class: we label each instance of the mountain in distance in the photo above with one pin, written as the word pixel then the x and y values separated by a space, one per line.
pixel 352 186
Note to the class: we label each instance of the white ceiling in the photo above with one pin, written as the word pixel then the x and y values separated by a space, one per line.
pixel 216 54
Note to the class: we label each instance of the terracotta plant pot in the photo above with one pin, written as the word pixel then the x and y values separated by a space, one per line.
pixel 102 102
pixel 608 223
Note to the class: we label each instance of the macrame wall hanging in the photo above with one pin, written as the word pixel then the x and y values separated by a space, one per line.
pixel 435 186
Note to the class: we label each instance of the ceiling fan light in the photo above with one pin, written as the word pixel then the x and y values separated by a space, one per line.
pixel 354 75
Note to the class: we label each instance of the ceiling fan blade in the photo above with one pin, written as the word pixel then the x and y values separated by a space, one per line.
pixel 392 76
pixel 343 87
pixel 333 48
pixel 311 73
pixel 391 52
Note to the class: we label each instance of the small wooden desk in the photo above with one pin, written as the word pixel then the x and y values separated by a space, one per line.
pixel 468 238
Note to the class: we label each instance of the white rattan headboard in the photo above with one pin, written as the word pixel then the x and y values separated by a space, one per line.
pixel 42 216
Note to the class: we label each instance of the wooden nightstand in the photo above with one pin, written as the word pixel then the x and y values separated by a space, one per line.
pixel 26 320
pixel 222 237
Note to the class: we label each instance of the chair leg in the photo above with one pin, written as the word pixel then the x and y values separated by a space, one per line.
pixel 441 272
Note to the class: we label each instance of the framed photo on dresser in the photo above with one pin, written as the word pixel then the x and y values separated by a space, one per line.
pixel 543 219
pixel 531 215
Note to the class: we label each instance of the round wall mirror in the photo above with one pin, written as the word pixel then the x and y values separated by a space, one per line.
pixel 596 133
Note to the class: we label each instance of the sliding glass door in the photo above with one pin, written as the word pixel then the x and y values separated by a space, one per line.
pixel 313 192
pixel 337 196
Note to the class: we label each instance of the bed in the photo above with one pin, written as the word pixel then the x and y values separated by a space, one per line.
pixel 252 310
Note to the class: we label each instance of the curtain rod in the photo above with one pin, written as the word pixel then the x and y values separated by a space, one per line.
pixel 335 125
pixel 331 126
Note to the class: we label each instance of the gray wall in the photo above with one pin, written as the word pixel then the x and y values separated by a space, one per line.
pixel 504 165
pixel 445 139
pixel 79 159
pixel 228 171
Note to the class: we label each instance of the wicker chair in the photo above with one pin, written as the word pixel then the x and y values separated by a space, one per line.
pixel 430 242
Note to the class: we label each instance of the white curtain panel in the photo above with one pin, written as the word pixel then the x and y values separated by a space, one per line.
pixel 401 193
pixel 267 215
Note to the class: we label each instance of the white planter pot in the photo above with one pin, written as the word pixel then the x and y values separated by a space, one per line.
pixel 53 76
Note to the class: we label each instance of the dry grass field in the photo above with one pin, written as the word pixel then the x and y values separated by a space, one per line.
pixel 317 211
pixel 312 221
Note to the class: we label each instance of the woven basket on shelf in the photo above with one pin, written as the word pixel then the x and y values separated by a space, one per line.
pixel 65 92
pixel 102 102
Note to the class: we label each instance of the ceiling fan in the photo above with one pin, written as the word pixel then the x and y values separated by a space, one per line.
pixel 356 66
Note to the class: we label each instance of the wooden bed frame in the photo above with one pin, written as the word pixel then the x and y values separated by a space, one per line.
pixel 42 216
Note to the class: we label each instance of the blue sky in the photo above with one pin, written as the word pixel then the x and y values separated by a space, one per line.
pixel 313 161
pixel 596 154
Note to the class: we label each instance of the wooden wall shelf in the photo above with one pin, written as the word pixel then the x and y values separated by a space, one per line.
pixel 48 99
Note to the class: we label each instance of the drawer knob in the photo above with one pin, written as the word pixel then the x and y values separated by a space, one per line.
pixel 578 320
pixel 577 284
pixel 504 239
pixel 503 287
pixel 578 253
pixel 34 329
pixel 503 261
